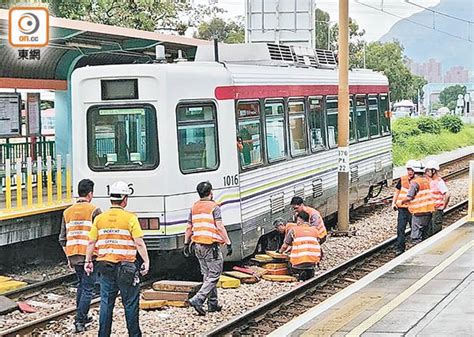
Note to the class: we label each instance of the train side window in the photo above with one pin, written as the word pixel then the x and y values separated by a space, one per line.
pixel 249 131
pixel 317 129
pixel 383 113
pixel 352 120
pixel 361 117
pixel 332 111
pixel 197 137
pixel 374 116
pixel 122 138
pixel 296 111
pixel 275 127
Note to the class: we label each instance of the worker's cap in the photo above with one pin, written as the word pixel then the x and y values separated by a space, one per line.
pixel 119 190
pixel 432 164
pixel 278 222
pixel 411 164
pixel 418 166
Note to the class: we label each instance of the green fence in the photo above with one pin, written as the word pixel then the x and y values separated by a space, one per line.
pixel 23 148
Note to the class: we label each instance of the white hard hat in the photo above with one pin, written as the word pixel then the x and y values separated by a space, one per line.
pixel 411 164
pixel 418 166
pixel 432 164
pixel 119 190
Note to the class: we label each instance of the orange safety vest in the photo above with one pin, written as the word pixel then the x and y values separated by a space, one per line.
pixel 322 232
pixel 423 201
pixel 289 226
pixel 115 242
pixel 204 226
pixel 78 219
pixel 436 193
pixel 405 182
pixel 305 247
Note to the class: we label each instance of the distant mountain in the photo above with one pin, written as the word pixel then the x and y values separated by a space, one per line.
pixel 421 43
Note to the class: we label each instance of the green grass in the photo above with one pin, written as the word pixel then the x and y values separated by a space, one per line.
pixel 420 146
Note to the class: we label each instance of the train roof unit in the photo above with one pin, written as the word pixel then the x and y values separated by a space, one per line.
pixel 269 54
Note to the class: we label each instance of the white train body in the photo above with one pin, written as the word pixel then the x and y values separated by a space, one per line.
pixel 127 119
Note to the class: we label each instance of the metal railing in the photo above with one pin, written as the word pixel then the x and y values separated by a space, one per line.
pixel 32 176
pixel 26 147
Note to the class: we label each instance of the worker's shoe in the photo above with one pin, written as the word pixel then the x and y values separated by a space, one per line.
pixel 80 327
pixel 198 307
pixel 214 308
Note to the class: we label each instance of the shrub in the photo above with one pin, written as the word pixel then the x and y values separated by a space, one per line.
pixel 404 128
pixel 428 125
pixel 451 123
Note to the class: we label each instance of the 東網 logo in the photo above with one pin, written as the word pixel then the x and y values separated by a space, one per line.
pixel 28 27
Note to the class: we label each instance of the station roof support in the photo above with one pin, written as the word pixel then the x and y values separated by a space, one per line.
pixel 74 44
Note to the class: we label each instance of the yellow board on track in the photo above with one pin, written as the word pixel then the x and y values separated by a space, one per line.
pixel 10 285
pixel 227 282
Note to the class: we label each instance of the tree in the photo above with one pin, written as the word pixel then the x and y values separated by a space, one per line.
pixel 356 42
pixel 231 32
pixel 449 95
pixel 147 15
pixel 388 58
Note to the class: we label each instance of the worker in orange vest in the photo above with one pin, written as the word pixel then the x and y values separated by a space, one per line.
pixel 404 216
pixel 440 194
pixel 305 249
pixel 420 202
pixel 282 228
pixel 118 237
pixel 315 218
pixel 74 237
pixel 206 230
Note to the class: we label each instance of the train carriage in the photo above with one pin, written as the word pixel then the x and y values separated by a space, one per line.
pixel 163 128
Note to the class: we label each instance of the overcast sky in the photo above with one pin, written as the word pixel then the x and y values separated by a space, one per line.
pixel 374 21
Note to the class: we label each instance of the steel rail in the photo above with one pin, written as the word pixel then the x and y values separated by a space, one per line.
pixel 271 305
pixel 238 321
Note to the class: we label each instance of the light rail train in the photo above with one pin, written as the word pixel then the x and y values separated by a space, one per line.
pixel 260 124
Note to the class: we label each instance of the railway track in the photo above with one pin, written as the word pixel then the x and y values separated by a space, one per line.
pixel 268 316
pixel 45 286
pixel 450 175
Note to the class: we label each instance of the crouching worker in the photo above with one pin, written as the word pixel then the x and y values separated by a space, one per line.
pixel 282 228
pixel 118 236
pixel 305 249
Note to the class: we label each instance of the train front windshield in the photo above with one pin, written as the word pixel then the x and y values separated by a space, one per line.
pixel 122 138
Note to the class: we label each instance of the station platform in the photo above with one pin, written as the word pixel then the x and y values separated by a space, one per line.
pixel 427 291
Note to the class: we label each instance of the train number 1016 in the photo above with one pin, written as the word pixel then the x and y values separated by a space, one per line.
pixel 231 180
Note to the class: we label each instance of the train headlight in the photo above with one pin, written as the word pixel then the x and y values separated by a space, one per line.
pixel 149 223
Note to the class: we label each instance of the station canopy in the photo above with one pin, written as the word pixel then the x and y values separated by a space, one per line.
pixel 74 44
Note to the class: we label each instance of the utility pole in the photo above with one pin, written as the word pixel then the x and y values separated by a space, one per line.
pixel 343 121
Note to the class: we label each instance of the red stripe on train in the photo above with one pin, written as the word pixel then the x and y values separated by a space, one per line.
pixel 269 91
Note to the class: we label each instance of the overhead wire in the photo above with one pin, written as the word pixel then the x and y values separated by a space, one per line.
pixel 417 23
pixel 438 12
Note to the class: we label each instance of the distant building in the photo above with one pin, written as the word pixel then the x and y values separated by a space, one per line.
pixel 456 75
pixel 430 70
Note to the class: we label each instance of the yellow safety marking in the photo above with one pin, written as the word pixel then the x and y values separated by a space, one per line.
pixel 33 211
pixel 68 185
pixel 334 321
pixel 8 193
pixel 59 185
pixel 29 190
pixel 19 194
pixel 39 187
pixel 49 178
pixel 470 210
pixel 390 306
